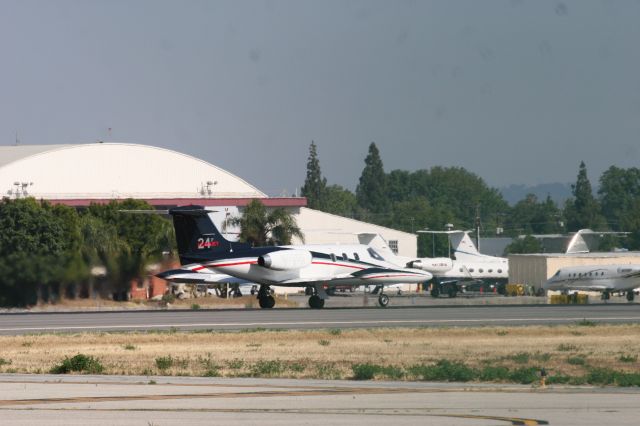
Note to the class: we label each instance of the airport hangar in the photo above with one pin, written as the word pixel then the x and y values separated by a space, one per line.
pixel 80 174
pixel 535 269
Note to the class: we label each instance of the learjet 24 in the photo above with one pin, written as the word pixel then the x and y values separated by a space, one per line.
pixel 205 252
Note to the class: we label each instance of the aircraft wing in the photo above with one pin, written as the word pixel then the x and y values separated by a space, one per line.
pixel 374 275
pixel 187 276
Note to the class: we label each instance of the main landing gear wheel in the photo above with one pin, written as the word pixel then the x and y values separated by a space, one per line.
pixel 630 296
pixel 435 291
pixel 265 299
pixel 453 292
pixel 315 302
pixel 605 295
pixel 267 302
pixel 383 300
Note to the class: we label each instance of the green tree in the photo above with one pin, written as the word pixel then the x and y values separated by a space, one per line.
pixel 583 210
pixel 531 216
pixel 528 244
pixel 454 194
pixel 315 185
pixel 340 201
pixel 141 240
pixel 619 196
pixel 371 192
pixel 260 227
pixel 38 248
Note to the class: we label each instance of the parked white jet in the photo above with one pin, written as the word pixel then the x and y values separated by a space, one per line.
pixel 605 278
pixel 468 264
pixel 203 250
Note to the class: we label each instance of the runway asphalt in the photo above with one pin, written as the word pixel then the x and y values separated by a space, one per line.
pixel 138 400
pixel 238 319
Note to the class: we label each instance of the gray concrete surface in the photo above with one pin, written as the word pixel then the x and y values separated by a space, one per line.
pixel 119 400
pixel 317 318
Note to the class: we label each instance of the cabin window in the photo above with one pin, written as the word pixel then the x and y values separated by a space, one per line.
pixel 480 270
pixel 470 269
pixel 499 271
pixel 393 245
pixel 333 257
pixel 589 273
pixel 355 256
pixel 490 271
pixel 344 256
pixel 461 269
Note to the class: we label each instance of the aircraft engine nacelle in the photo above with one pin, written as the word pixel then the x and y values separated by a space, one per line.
pixel 433 265
pixel 284 260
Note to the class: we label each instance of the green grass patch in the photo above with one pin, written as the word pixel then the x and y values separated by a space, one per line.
pixel 565 347
pixel 365 371
pixel 267 368
pixel 520 358
pixel 559 379
pixel 494 374
pixel 335 331
pixel 444 371
pixel 628 358
pixel 164 362
pixel 235 364
pixel 524 376
pixel 577 360
pixel 79 363
pixel 324 342
pixel 586 323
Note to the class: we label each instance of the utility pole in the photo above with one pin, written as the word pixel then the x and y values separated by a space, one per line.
pixel 478 226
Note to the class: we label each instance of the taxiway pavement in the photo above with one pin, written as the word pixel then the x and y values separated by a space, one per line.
pixel 239 319
pixel 122 400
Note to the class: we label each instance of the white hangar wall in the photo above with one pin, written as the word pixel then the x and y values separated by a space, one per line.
pixel 113 171
pixel 325 228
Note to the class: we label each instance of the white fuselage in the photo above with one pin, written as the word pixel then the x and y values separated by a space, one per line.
pixel 595 278
pixel 339 263
pixel 488 268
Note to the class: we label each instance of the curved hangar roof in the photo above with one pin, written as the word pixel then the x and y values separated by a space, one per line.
pixel 113 170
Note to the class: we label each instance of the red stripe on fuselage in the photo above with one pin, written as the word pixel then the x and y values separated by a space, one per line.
pixel 338 264
pixel 390 276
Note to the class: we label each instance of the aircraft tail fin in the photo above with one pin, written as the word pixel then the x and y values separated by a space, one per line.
pixel 462 245
pixel 197 236
pixel 377 242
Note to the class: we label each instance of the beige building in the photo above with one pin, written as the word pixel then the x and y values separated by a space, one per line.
pixel 535 269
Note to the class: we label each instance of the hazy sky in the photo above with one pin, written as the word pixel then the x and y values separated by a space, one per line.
pixel 517 91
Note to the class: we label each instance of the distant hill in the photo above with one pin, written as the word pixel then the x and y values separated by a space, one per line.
pixel 559 192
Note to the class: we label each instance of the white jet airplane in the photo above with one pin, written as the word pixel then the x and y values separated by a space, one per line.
pixel 604 278
pixel 468 264
pixel 203 250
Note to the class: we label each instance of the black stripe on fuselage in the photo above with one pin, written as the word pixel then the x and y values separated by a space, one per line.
pixel 261 251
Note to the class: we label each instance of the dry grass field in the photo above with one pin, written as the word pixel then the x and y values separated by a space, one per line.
pixel 565 352
pixel 213 302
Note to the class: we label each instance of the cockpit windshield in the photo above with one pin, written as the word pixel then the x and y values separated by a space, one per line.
pixel 375 254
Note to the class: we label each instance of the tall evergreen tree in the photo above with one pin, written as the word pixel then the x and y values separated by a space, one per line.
pixel 583 210
pixel 315 186
pixel 371 192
